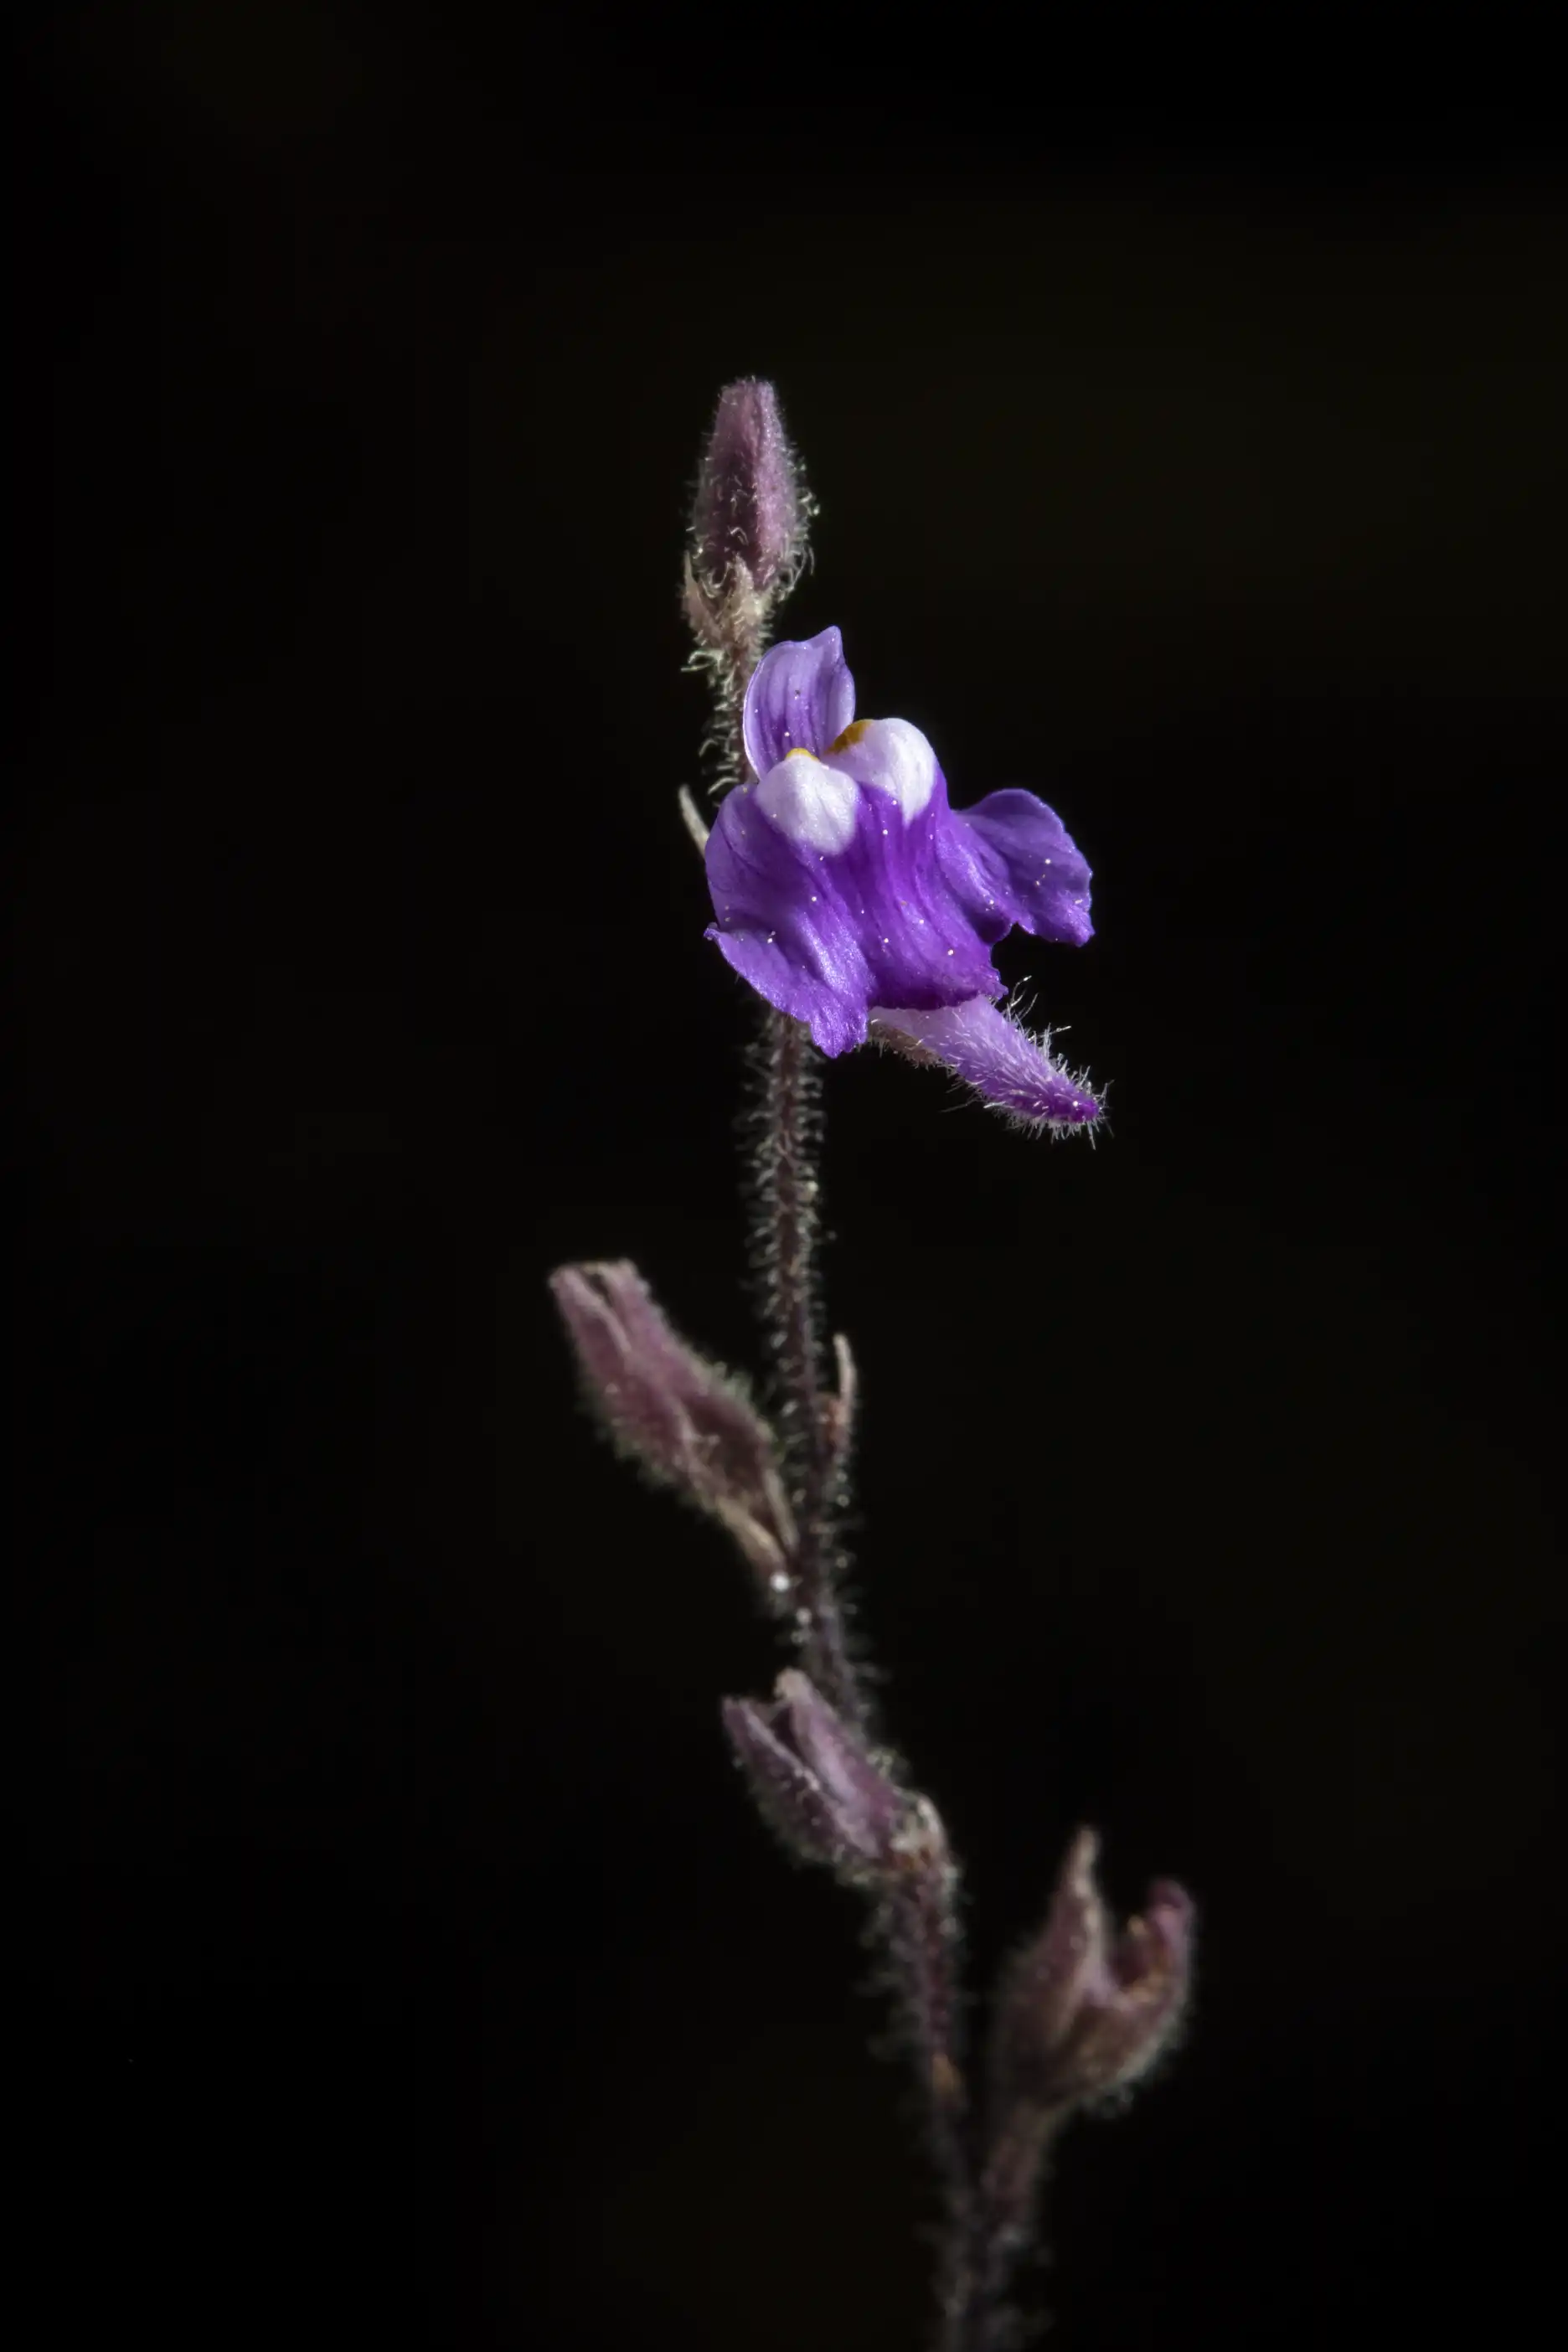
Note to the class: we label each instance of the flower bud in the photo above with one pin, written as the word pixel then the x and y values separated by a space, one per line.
pixel 1087 2008
pixel 688 1423
pixel 817 1783
pixel 750 508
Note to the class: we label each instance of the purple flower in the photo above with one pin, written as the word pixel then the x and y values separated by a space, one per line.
pixel 851 896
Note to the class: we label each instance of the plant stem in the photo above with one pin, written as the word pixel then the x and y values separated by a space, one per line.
pixel 788 1194
pixel 1003 2225
pixel 918 1925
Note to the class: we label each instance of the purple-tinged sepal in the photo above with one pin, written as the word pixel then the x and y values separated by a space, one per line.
pixel 818 1783
pixel 688 1423
pixel 1088 2008
pixel 1012 1071
pixel 844 882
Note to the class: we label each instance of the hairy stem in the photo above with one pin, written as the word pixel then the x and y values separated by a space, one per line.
pixel 1003 2226
pixel 920 1928
pixel 788 1194
pixel 917 1927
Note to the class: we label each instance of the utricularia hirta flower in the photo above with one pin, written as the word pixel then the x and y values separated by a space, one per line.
pixel 852 897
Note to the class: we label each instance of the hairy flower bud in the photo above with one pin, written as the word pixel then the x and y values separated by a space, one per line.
pixel 688 1423
pixel 818 1782
pixel 1085 2008
pixel 748 508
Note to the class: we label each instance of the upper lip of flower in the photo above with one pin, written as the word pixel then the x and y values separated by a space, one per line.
pixel 800 697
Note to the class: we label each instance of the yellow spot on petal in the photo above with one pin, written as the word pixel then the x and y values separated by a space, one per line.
pixel 852 734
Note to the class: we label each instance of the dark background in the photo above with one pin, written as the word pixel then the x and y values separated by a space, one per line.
pixel 392 1956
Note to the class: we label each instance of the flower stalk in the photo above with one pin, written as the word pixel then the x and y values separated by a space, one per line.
pixel 916 1915
pixel 862 908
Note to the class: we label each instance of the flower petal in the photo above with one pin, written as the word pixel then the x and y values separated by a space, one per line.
pixel 982 1044
pixel 800 698
pixel 1009 859
pixel 811 803
pixel 824 931
pixel 893 757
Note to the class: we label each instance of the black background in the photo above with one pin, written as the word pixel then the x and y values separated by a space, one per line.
pixel 393 1958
